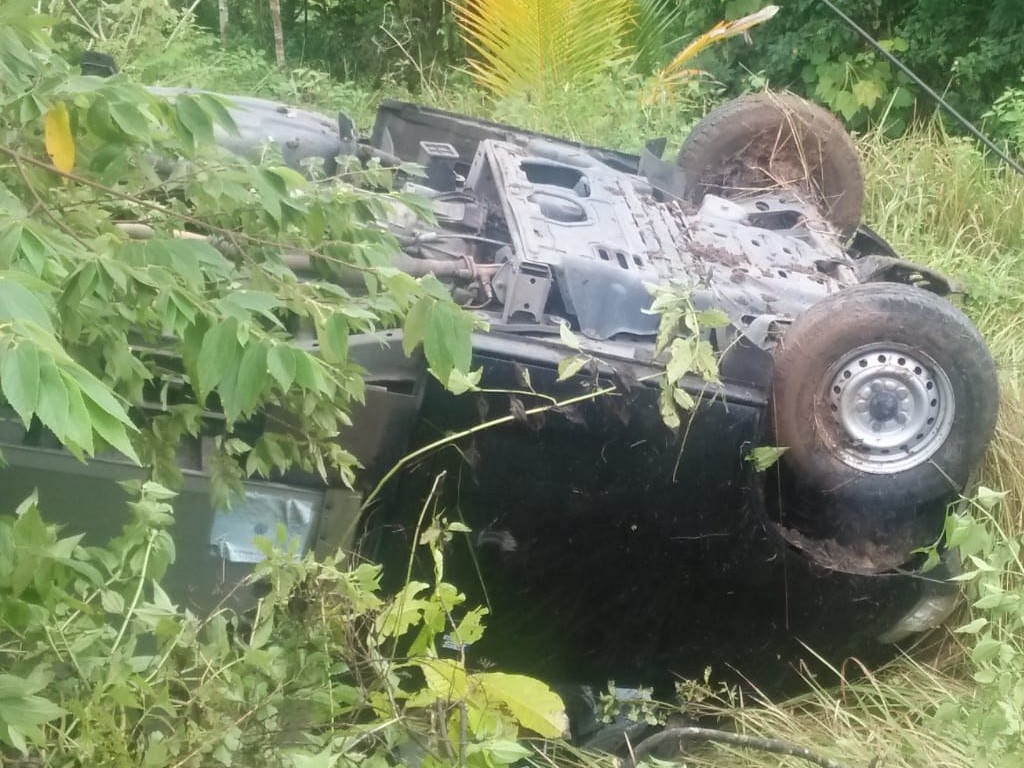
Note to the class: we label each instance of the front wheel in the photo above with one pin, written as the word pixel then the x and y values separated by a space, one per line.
pixel 886 397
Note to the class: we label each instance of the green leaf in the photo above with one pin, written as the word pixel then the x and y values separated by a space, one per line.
pixel 704 362
pixel 130 120
pixel 100 394
pixel 99 122
pixel 112 602
pixel 217 355
pixel 325 758
pixel 270 190
pixel 18 303
pixel 680 361
pixel 570 366
pixel 25 711
pixel 966 534
pixel 194 119
pixel 332 336
pixel 765 456
pixel 19 378
pixel 316 224
pixel 15 687
pixel 568 337
pixel 403 612
pixel 214 106
pixel 667 407
pixel 415 325
pixel 989 499
pixel 973 628
pixel 531 703
pixel 252 378
pixel 996 600
pixel 10 239
pixel 290 179
pixel 446 679
pixel 111 429
pixel 241 304
pixel 77 433
pixel 281 365
pixel 52 404
pixel 712 318
pixel 20 707
pixel 308 372
pixel 498 751
pixel 986 649
pixel 459 382
pixel 867 92
pixel 470 628
pixel 682 398
pixel 447 344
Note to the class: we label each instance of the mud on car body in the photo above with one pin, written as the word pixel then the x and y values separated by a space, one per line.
pixel 606 545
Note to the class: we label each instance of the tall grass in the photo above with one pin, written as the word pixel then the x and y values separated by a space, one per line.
pixel 941 202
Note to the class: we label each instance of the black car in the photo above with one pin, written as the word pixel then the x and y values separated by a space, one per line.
pixel 606 544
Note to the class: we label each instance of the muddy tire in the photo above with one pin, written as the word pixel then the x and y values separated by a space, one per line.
pixel 886 397
pixel 776 140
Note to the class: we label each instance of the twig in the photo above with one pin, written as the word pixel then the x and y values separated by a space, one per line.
pixel 449 439
pixel 693 733
pixel 185 17
pixel 84 24
pixel 135 598
pixel 230 234
pixel 41 204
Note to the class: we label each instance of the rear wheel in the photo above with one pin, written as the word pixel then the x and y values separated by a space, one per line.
pixel 776 141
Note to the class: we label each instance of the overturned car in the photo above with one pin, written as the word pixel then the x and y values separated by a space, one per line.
pixel 605 544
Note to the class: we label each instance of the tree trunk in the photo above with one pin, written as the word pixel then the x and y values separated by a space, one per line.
pixel 275 18
pixel 222 9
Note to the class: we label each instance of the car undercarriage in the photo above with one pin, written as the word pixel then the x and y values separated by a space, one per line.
pixel 606 544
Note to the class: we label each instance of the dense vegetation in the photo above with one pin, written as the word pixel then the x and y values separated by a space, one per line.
pixel 101 669
pixel 972 52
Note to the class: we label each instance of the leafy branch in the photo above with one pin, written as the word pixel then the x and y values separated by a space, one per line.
pixel 197 318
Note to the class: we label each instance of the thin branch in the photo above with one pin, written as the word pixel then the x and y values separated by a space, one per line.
pixel 693 733
pixel 82 23
pixel 232 235
pixel 449 439
pixel 42 206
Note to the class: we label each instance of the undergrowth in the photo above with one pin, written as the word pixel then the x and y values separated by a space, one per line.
pixel 954 701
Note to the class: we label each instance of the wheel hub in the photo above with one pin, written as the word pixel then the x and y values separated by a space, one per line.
pixel 891 409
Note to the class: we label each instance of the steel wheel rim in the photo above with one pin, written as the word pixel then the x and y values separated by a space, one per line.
pixel 890 408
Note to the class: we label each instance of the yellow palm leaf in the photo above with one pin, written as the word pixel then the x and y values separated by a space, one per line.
pixel 534 46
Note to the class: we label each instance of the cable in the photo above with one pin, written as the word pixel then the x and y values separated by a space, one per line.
pixel 927 89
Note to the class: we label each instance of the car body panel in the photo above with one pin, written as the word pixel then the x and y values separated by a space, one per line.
pixel 604 544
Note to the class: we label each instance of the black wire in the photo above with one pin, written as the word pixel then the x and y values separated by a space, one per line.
pixel 927 89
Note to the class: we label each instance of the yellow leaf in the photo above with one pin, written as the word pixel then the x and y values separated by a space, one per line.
pixel 60 146
pixel 676 71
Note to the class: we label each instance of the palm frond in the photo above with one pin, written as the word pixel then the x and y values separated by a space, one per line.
pixel 655 24
pixel 533 46
pixel 676 70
